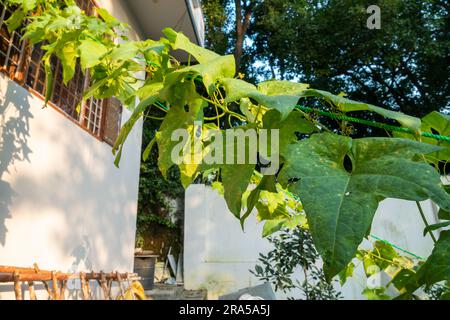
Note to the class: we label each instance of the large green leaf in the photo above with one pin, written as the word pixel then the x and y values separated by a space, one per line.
pixel 341 181
pixel 284 103
pixel 180 42
pixel 179 116
pixel 437 267
pixel 288 129
pixel 347 105
pixel 91 52
pixel 234 187
pixel 211 72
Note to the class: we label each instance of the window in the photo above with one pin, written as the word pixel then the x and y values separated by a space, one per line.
pixel 23 64
pixel 11 48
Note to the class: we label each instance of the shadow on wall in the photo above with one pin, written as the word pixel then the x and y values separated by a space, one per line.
pixel 14 132
pixel 66 205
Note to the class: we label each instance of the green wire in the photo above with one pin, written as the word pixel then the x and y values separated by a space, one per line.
pixel 372 123
pixel 397 247
pixel 361 121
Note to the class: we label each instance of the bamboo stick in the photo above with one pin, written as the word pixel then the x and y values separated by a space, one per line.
pixel 31 290
pixel 5 278
pixel 17 286
pixel 119 280
pixel 84 289
pixel 55 286
pixel 103 285
pixel 62 293
pixel 49 291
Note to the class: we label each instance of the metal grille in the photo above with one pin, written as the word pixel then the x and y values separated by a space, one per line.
pixel 11 48
pixel 92 116
pixel 66 97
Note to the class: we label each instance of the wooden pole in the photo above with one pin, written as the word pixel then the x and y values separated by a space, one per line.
pixel 31 290
pixel 55 286
pixel 119 280
pixel 62 294
pixel 84 287
pixel 49 291
pixel 17 286
pixel 104 286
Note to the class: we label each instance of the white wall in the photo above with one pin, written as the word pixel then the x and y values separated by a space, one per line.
pixel 218 255
pixel 63 203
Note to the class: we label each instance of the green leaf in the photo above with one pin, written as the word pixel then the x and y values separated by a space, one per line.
pixel 15 21
pixel 68 57
pixel 252 199
pixel 273 226
pixel 276 87
pixel 443 214
pixel 340 202
pixel 29 5
pixel 376 294
pixel 436 226
pixel 107 17
pixel 179 41
pixel 234 188
pixel 135 116
pixel 346 273
pixel 125 51
pixel 211 72
pixel 347 105
pixel 179 118
pixel 384 251
pixel 436 122
pixel 91 53
pixel 238 89
pixel 437 267
pixel 405 280
pixel 295 123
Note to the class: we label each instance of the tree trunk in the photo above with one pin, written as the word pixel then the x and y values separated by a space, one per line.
pixel 242 24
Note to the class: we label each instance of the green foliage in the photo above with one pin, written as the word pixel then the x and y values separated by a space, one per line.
pixel 437 267
pixel 340 181
pixel 343 198
pixel 406 275
pixel 292 250
pixel 402 67
pixel 156 194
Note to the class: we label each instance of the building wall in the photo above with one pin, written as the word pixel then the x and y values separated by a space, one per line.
pixel 218 255
pixel 63 203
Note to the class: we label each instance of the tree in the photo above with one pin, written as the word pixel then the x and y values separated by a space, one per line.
pixel 219 30
pixel 403 66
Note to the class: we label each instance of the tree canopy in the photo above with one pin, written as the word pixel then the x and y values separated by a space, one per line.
pixel 403 66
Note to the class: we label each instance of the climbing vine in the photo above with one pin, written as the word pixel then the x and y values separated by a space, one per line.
pixel 339 180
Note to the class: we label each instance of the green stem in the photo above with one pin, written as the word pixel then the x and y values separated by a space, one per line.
pixel 422 214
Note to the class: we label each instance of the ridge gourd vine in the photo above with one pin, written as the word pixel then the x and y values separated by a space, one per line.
pixel 339 201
